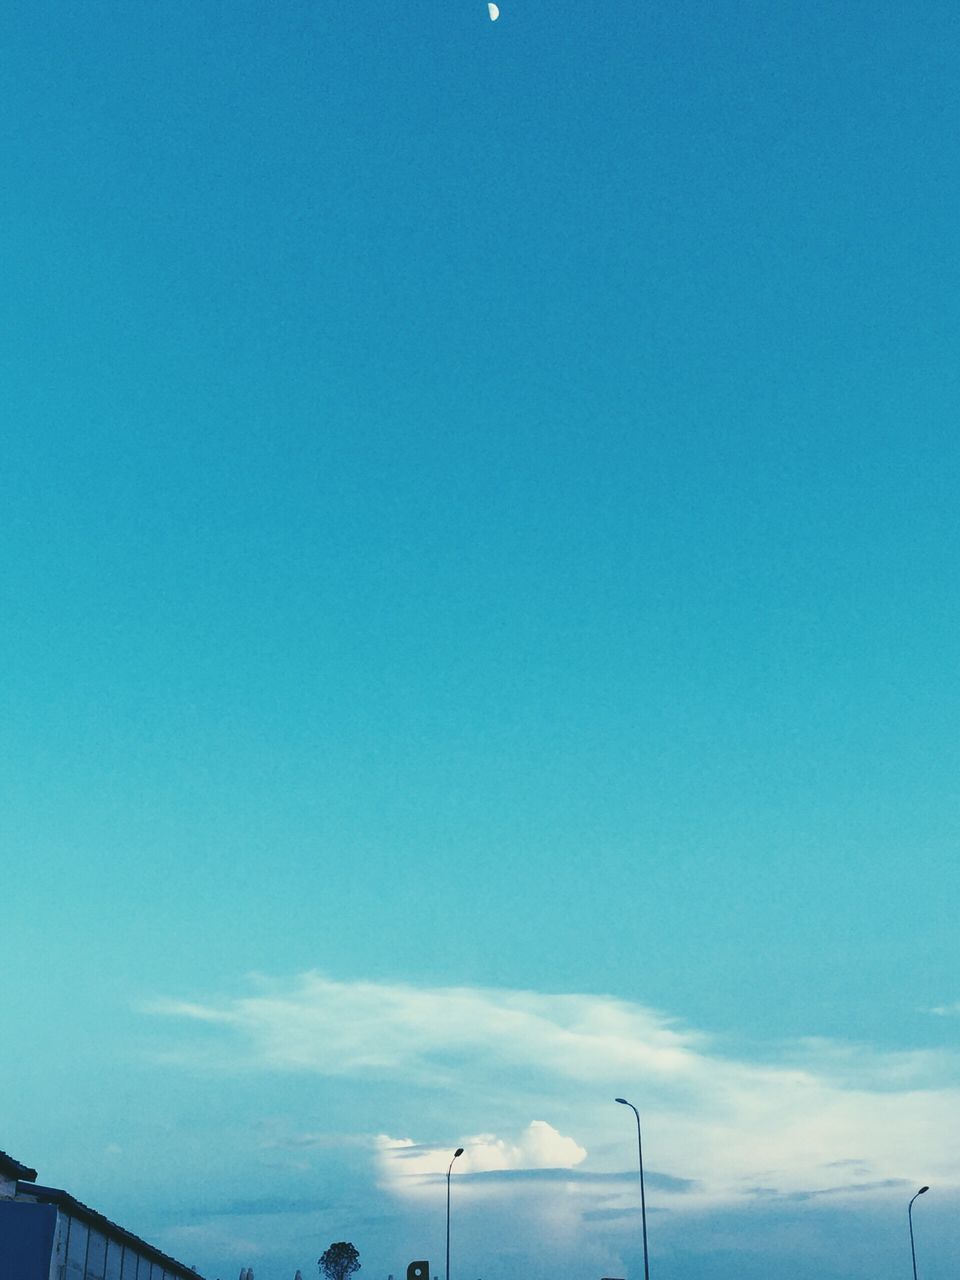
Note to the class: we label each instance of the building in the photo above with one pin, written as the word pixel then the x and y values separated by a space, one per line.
pixel 45 1234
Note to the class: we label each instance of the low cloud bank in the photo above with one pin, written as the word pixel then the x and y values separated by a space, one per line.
pixel 821 1117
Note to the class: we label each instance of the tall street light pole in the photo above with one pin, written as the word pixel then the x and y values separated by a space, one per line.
pixel 458 1152
pixel 643 1202
pixel 913 1252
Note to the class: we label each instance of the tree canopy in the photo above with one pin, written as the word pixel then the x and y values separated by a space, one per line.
pixel 339 1261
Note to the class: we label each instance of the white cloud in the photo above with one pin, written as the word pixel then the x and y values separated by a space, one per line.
pixel 822 1116
pixel 538 1146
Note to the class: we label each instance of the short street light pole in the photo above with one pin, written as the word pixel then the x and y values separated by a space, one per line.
pixel 913 1252
pixel 643 1202
pixel 458 1152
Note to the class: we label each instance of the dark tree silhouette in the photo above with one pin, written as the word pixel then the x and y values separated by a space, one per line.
pixel 339 1262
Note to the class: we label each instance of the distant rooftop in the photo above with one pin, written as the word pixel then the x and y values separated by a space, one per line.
pixel 14 1169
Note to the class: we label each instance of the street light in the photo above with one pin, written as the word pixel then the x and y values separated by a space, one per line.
pixel 913 1252
pixel 458 1152
pixel 643 1203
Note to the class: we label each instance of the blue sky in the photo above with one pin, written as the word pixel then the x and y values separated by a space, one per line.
pixel 480 627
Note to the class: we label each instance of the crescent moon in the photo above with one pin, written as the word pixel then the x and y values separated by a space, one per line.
pixel 493 11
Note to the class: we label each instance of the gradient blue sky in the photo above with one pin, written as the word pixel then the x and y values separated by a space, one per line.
pixel 479 512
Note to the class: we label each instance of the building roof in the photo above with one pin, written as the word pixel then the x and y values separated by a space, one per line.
pixel 66 1202
pixel 14 1169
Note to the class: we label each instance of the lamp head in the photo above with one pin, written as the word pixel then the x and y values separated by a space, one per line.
pixel 623 1100
pixel 922 1190
pixel 458 1152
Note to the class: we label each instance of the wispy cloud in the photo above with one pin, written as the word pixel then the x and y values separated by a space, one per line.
pixel 342 1028
pixel 815 1117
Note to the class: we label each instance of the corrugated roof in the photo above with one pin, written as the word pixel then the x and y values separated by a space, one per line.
pixel 14 1169
pixel 66 1202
